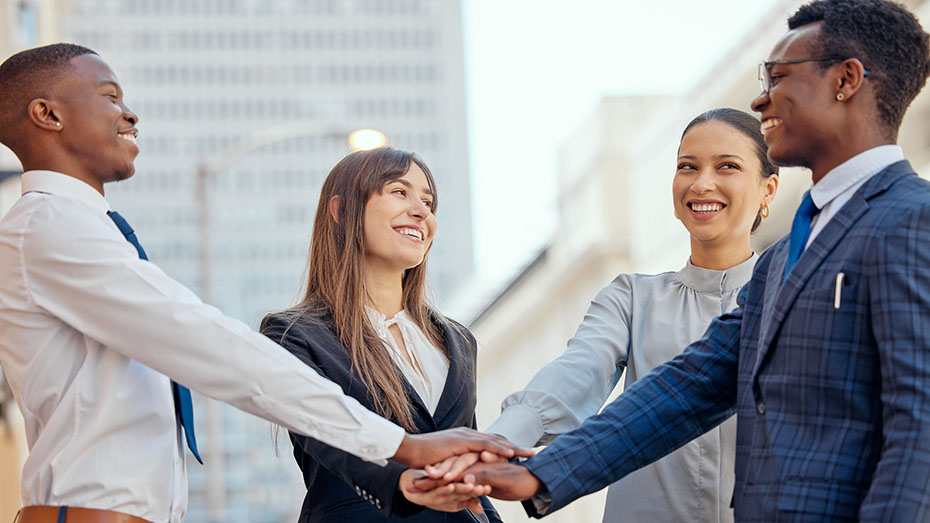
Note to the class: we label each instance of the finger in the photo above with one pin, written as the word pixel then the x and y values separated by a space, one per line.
pixel 438 470
pixel 490 457
pixel 460 464
pixel 426 485
pixel 493 443
pixel 474 505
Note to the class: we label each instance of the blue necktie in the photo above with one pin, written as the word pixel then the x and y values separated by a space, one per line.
pixel 183 407
pixel 800 231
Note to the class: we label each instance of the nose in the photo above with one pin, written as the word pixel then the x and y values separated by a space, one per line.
pixel 418 209
pixel 760 102
pixel 704 182
pixel 130 116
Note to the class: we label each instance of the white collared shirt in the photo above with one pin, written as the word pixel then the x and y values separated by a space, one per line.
pixel 89 334
pixel 836 188
pixel 431 368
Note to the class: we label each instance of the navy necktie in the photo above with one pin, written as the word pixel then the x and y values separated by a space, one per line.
pixel 183 407
pixel 800 231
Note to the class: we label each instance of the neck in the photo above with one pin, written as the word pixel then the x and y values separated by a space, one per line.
pixel 719 256
pixel 848 146
pixel 57 165
pixel 385 290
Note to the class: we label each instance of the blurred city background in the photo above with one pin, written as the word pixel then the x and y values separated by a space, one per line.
pixel 551 128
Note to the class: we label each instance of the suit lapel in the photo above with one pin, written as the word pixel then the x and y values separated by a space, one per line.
pixel 459 373
pixel 456 381
pixel 786 292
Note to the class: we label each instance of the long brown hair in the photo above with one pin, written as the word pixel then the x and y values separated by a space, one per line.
pixel 335 282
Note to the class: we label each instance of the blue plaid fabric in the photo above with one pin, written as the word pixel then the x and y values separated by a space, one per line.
pixel 833 403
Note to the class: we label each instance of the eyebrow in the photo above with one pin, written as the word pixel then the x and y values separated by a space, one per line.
pixel 718 157
pixel 112 83
pixel 409 185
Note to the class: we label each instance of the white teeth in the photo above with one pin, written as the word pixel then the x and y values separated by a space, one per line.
pixel 770 124
pixel 706 207
pixel 413 233
pixel 129 137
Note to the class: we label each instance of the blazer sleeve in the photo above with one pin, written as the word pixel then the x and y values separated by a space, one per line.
pixel 575 385
pixel 373 483
pixel 899 290
pixel 677 402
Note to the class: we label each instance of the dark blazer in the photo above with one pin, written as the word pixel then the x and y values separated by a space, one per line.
pixel 833 403
pixel 342 487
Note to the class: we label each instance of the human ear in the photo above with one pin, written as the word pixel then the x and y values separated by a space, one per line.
pixel 42 114
pixel 770 187
pixel 850 80
pixel 334 208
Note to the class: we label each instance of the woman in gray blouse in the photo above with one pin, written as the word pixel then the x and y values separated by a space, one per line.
pixel 722 188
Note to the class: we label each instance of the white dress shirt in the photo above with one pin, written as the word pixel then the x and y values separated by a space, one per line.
pixel 89 334
pixel 832 192
pixel 431 367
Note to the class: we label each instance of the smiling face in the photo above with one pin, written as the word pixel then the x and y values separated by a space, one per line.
pixel 719 187
pixel 800 113
pixel 97 129
pixel 399 223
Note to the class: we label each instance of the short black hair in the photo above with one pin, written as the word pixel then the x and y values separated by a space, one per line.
pixel 23 77
pixel 747 124
pixel 885 37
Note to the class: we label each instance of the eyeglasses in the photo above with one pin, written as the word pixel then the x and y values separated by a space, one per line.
pixel 765 75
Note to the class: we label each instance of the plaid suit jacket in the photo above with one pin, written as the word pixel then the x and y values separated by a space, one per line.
pixel 833 403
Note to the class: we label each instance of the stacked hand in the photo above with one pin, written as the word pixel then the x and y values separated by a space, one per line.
pixel 456 482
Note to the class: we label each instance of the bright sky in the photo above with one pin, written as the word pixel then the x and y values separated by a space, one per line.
pixel 535 70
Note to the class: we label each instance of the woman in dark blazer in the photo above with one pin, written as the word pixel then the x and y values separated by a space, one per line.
pixel 364 324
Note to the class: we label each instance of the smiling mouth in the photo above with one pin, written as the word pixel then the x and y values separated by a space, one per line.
pixel 769 124
pixel 705 208
pixel 415 234
pixel 129 137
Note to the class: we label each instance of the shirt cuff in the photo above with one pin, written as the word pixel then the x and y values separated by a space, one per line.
pixel 539 504
pixel 379 440
pixel 520 424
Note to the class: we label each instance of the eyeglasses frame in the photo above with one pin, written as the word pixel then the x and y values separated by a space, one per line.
pixel 765 77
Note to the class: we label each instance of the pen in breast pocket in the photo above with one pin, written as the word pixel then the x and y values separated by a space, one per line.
pixel 839 290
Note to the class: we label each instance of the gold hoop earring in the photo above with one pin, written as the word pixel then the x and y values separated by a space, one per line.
pixel 764 211
pixel 840 97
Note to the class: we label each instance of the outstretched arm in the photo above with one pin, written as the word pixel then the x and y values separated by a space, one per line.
pixel 575 385
pixel 677 402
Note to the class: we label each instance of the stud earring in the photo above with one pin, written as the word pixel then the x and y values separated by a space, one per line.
pixel 57 124
pixel 840 97
pixel 764 211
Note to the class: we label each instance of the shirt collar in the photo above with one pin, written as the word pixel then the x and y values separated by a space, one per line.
pixel 854 170
pixel 60 184
pixel 709 280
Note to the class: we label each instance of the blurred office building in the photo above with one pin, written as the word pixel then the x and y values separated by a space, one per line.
pixel 616 215
pixel 262 97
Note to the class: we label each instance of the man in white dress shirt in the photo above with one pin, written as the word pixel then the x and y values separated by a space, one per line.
pixel 90 333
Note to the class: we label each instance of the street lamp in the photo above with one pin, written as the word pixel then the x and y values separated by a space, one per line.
pixel 366 139
pixel 206 170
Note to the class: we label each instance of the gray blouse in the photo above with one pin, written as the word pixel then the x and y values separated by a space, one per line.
pixel 638 322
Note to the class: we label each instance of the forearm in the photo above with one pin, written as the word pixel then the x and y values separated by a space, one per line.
pixel 662 411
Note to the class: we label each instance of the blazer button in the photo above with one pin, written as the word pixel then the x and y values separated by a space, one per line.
pixel 760 407
pixel 378 504
pixel 358 490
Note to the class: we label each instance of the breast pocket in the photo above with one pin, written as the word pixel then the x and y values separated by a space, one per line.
pixel 835 311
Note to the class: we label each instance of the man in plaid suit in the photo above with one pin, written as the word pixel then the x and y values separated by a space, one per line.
pixel 827 359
